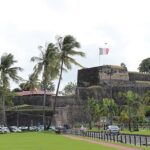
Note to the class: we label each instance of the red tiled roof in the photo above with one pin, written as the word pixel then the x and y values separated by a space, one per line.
pixel 26 93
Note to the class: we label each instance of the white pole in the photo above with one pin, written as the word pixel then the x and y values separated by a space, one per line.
pixel 99 56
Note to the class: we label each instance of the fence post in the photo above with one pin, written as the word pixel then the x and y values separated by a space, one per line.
pixel 99 135
pixel 140 141
pixel 113 137
pixel 129 138
pixel 134 140
pixel 107 136
pixel 110 137
pixel 117 137
pixel 104 136
pixel 121 139
pixel 146 140
pixel 125 139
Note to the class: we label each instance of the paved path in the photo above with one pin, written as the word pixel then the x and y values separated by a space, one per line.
pixel 117 146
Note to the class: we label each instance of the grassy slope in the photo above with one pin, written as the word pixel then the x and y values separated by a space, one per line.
pixel 44 141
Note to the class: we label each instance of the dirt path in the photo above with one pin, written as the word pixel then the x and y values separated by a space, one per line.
pixel 117 146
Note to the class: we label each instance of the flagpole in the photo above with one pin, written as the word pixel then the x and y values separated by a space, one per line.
pixel 99 67
pixel 99 57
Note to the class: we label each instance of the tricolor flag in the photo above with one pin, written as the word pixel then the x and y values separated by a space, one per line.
pixel 103 51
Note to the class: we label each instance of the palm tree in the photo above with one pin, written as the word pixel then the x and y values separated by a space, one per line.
pixel 67 48
pixel 109 108
pixel 7 72
pixel 92 110
pixel 32 82
pixel 133 111
pixel 47 64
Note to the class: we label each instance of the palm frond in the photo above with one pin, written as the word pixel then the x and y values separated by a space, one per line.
pixel 37 59
pixel 73 61
pixel 7 60
pixel 8 72
pixel 76 53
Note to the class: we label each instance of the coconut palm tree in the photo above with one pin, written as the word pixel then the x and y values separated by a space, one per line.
pixel 7 72
pixel 47 65
pixel 67 49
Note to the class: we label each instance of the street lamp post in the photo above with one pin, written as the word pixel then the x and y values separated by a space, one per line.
pixel 110 72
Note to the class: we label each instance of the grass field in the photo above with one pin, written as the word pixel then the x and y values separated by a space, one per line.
pixel 141 132
pixel 44 141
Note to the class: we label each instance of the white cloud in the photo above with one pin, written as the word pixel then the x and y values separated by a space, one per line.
pixel 123 24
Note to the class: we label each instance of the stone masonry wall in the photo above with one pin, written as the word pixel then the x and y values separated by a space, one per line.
pixel 66 109
pixel 133 76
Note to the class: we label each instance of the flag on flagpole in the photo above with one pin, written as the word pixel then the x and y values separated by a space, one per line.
pixel 103 51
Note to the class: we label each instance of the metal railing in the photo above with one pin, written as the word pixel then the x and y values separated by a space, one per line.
pixel 134 139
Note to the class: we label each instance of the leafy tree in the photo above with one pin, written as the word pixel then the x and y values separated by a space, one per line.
pixel 145 65
pixel 92 111
pixel 50 86
pixel 146 98
pixel 120 98
pixel 30 85
pixel 22 87
pixel 16 90
pixel 109 108
pixel 48 66
pixel 32 82
pixel 7 72
pixel 123 65
pixel 7 95
pixel 69 89
pixel 146 101
pixel 67 49
pixel 133 110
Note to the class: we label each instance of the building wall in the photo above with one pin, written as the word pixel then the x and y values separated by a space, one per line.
pixel 115 73
pixel 94 76
pixel 88 77
pixel 137 76
pixel 65 110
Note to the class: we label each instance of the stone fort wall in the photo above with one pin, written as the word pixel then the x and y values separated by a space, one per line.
pixel 96 75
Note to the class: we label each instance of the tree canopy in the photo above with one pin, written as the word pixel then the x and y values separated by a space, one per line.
pixel 145 65
pixel 69 89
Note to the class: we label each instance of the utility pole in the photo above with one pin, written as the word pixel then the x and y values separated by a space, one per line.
pixel 110 72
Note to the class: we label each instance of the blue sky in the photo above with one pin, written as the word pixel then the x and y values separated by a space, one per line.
pixel 123 24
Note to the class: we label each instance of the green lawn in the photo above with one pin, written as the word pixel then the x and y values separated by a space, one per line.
pixel 142 132
pixel 44 141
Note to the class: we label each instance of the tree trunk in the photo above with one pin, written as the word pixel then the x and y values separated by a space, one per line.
pixel 129 119
pixel 44 102
pixel 90 125
pixel 4 111
pixel 55 100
